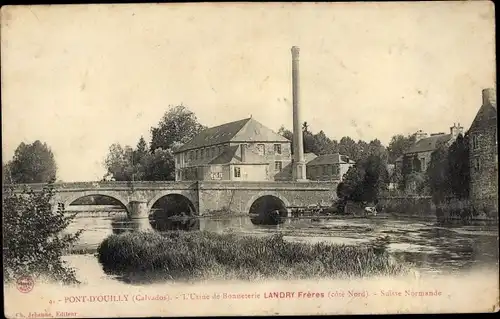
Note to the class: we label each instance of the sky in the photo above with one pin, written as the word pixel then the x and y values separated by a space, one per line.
pixel 81 77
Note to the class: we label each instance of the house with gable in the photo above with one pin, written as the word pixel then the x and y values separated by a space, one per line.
pixel 243 150
pixel 418 156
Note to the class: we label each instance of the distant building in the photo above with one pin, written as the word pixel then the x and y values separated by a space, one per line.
pixel 328 167
pixel 286 174
pixel 243 150
pixel 483 153
pixel 418 156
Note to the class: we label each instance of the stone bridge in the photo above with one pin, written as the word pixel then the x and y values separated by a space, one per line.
pixel 138 198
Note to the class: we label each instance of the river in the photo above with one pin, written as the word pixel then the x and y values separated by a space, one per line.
pixel 430 247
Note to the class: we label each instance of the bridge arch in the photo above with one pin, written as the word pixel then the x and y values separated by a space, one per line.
pixel 73 197
pixel 185 196
pixel 259 195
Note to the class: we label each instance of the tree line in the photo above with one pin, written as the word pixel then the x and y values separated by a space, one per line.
pixel 35 163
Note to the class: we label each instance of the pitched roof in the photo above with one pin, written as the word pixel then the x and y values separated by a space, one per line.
pixel 429 143
pixel 228 156
pixel 246 130
pixel 309 157
pixel 330 159
pixel 486 115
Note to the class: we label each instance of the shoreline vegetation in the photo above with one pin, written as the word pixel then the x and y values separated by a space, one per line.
pixel 142 257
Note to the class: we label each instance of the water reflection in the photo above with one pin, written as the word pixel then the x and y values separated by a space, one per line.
pixel 428 245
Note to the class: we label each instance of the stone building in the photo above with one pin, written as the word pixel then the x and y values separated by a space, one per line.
pixel 418 156
pixel 243 150
pixel 328 167
pixel 483 153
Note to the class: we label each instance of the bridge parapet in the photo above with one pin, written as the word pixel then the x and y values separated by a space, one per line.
pixel 82 186
pixel 269 185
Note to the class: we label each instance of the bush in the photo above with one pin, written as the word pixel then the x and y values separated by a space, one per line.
pixel 204 255
pixel 33 241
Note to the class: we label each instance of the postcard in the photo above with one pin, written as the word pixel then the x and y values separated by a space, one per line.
pixel 248 159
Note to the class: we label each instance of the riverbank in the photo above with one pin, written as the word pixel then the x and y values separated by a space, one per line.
pixel 180 256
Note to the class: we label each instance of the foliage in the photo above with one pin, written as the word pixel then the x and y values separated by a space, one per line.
pixel 206 255
pixel 458 165
pixel 321 144
pixel 178 124
pixel 34 241
pixel 160 166
pixel 6 174
pixel 365 181
pixel 419 182
pixel 32 163
pixel 119 162
pixel 398 145
pixel 448 174
pixel 438 175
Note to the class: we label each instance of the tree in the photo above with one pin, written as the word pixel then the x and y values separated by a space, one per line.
pixel 438 175
pixel 309 142
pixel 160 166
pixel 33 163
pixel 347 146
pixel 6 173
pixel 119 162
pixel 458 164
pixel 305 127
pixel 34 242
pixel 324 144
pixel 178 124
pixel 398 145
pixel 376 177
pixel 364 181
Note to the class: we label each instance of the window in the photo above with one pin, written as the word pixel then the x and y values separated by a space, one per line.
pixel 325 169
pixel 197 156
pixel 422 163
pixel 190 155
pixel 261 149
pixel 277 166
pixel 277 148
pixel 237 172
pixel 213 151
pixel 220 149
pixel 475 141
pixel 202 153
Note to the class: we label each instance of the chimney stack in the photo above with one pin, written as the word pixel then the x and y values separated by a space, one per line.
pixel 489 97
pixel 299 167
pixel 456 129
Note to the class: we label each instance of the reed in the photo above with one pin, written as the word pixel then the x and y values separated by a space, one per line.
pixel 205 255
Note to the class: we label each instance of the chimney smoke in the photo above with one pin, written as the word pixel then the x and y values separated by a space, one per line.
pixel 299 167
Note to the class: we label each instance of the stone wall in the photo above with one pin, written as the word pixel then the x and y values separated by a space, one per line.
pixel 483 159
pixel 204 195
pixel 238 197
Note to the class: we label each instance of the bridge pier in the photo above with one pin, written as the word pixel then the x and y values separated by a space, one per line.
pixel 138 212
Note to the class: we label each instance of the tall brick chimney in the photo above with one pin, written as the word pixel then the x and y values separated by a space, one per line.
pixel 299 166
pixel 490 97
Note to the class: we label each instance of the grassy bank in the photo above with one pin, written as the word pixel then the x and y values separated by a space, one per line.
pixel 205 255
